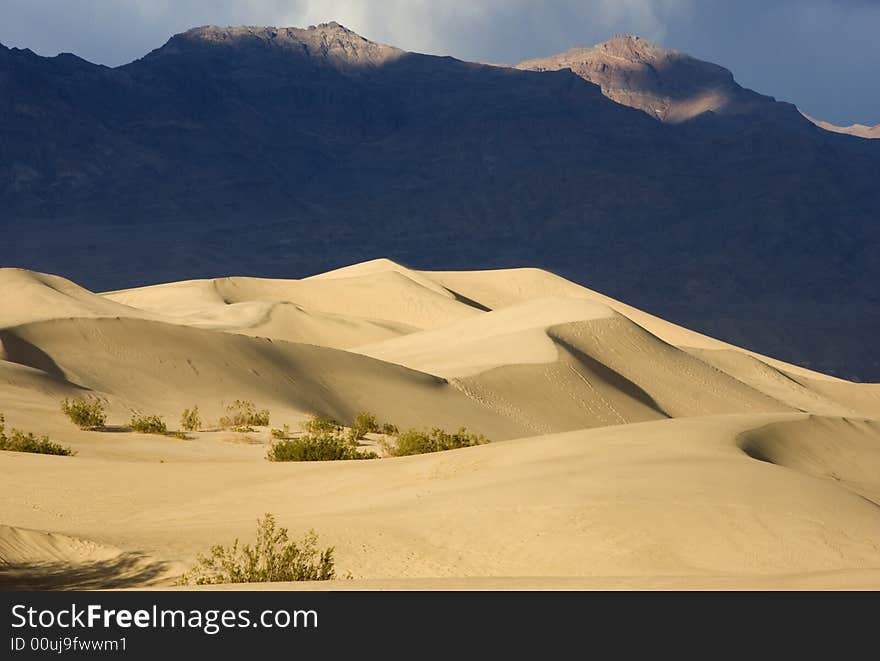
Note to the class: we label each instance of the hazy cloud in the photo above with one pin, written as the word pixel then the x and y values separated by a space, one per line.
pixel 823 55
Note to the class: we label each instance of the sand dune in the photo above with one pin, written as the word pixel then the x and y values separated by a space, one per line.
pixel 160 368
pixel 505 287
pixel 33 560
pixel 29 296
pixel 516 334
pixel 337 311
pixel 635 452
pixel 845 450
pixel 672 498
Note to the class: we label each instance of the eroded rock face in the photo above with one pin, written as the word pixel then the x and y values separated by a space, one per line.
pixel 669 85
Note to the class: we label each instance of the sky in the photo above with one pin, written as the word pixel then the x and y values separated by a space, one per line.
pixel 822 55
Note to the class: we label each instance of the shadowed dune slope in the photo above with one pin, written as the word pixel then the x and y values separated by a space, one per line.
pixel 843 450
pixel 162 368
pixel 35 560
pixel 503 287
pixel 577 358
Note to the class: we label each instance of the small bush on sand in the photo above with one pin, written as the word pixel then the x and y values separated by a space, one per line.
pixel 190 420
pixel 364 423
pixel 282 433
pixel 85 413
pixel 436 440
pixel 273 558
pixel 148 424
pixel 242 413
pixel 388 429
pixel 319 447
pixel 18 441
pixel 318 425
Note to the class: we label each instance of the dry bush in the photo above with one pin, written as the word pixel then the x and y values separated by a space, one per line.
pixel 18 441
pixel 242 414
pixel 364 423
pixel 85 413
pixel 148 424
pixel 317 447
pixel 190 420
pixel 273 558
pixel 422 442
pixel 282 433
pixel 318 425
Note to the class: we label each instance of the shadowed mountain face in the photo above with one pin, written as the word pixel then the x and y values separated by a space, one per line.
pixel 282 152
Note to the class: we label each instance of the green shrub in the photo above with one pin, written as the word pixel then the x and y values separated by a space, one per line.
pixel 364 423
pixel 85 413
pixel 148 424
pixel 18 441
pixel 318 425
pixel 242 413
pixel 320 447
pixel 273 558
pixel 388 429
pixel 190 420
pixel 436 440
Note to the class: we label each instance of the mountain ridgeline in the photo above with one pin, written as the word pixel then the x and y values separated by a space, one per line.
pixel 640 172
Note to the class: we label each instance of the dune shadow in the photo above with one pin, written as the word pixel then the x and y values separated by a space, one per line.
pixel 752 447
pixel 612 377
pixel 468 301
pixel 19 350
pixel 126 571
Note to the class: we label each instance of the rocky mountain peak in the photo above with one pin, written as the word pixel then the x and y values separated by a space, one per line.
pixel 667 84
pixel 329 42
pixel 633 48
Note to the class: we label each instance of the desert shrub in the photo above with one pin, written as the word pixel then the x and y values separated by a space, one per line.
pixel 319 447
pixel 85 413
pixel 242 413
pixel 318 425
pixel 364 423
pixel 352 438
pixel 436 440
pixel 282 433
pixel 148 424
pixel 388 429
pixel 18 441
pixel 190 420
pixel 273 558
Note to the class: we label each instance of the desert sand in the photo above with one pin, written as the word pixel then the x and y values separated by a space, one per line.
pixel 627 452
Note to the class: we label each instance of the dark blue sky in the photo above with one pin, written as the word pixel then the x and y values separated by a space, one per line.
pixel 823 56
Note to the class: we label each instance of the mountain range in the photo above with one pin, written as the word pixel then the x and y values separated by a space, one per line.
pixel 636 170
